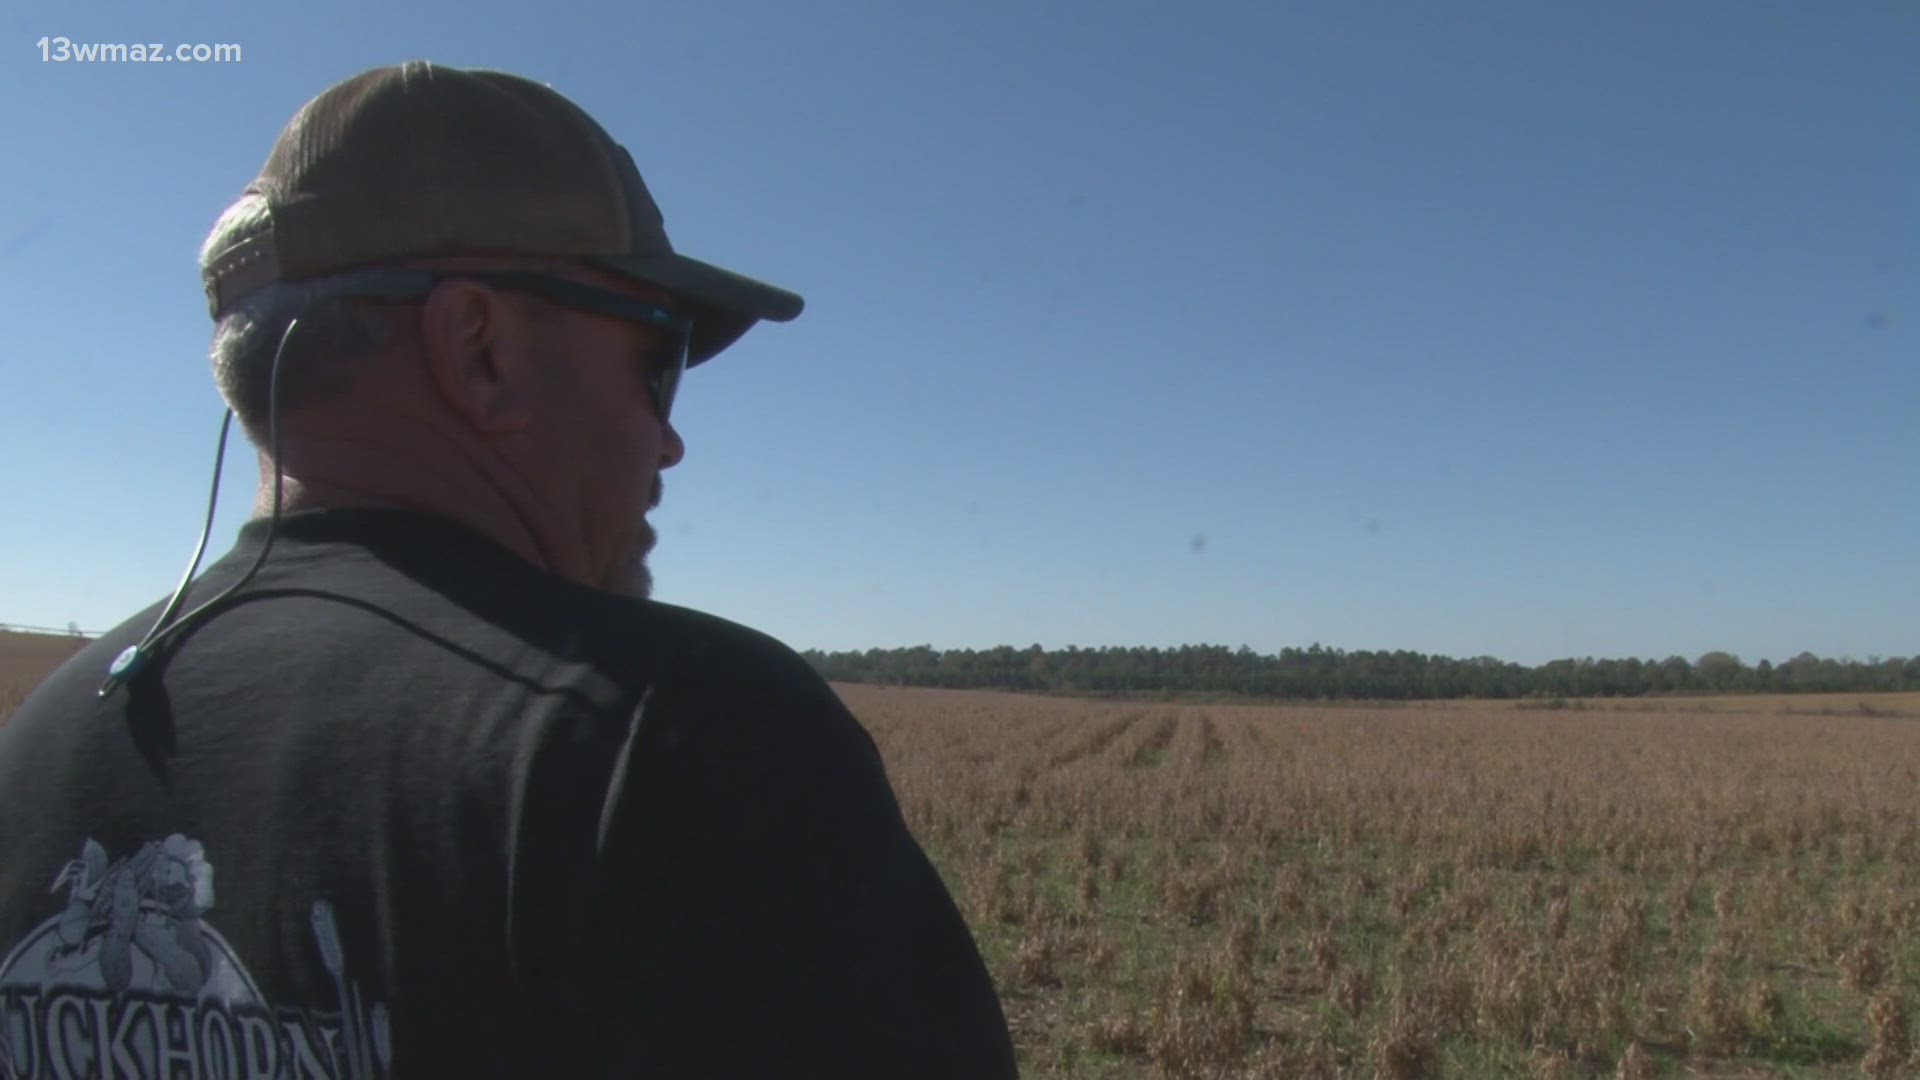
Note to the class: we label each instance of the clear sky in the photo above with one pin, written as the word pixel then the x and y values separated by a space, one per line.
pixel 1520 329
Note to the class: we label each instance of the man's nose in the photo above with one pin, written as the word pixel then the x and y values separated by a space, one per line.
pixel 672 447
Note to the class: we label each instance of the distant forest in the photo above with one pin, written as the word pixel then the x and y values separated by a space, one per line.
pixel 1319 673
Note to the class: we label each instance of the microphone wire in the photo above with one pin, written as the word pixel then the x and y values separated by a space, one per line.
pixel 135 658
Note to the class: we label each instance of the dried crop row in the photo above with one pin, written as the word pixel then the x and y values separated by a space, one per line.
pixel 1345 891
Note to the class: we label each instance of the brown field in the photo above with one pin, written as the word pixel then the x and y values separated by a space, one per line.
pixel 1713 887
pixel 1719 887
pixel 1905 703
pixel 25 659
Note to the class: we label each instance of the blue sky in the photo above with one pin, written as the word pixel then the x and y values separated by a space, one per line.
pixel 1525 330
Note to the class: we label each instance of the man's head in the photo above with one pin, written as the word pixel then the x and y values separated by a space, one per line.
pixel 490 317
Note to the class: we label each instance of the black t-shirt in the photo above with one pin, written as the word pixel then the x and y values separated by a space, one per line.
pixel 408 805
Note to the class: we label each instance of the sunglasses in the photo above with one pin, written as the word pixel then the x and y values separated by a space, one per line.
pixel 661 369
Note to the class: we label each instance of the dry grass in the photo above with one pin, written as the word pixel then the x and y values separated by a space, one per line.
pixel 1442 889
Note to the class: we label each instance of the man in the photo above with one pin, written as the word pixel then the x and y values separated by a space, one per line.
pixel 435 789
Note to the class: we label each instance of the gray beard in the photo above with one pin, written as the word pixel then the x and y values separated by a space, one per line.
pixel 635 579
pixel 632 577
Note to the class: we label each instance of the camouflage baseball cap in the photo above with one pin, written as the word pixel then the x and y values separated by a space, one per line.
pixel 419 159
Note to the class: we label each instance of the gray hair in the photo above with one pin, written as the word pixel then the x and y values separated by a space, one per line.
pixel 323 357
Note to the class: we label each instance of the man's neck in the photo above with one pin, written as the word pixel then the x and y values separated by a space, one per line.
pixel 493 518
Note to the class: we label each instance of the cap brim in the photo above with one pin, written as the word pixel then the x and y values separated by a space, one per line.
pixel 726 304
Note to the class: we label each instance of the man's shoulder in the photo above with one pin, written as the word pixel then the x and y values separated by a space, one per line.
pixel 746 681
pixel 725 655
pixel 708 635
pixel 83 672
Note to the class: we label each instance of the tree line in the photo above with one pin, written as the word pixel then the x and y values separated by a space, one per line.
pixel 1320 673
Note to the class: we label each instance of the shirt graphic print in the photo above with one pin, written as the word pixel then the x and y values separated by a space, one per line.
pixel 129 979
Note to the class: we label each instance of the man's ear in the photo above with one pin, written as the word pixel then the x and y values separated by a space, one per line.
pixel 462 327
